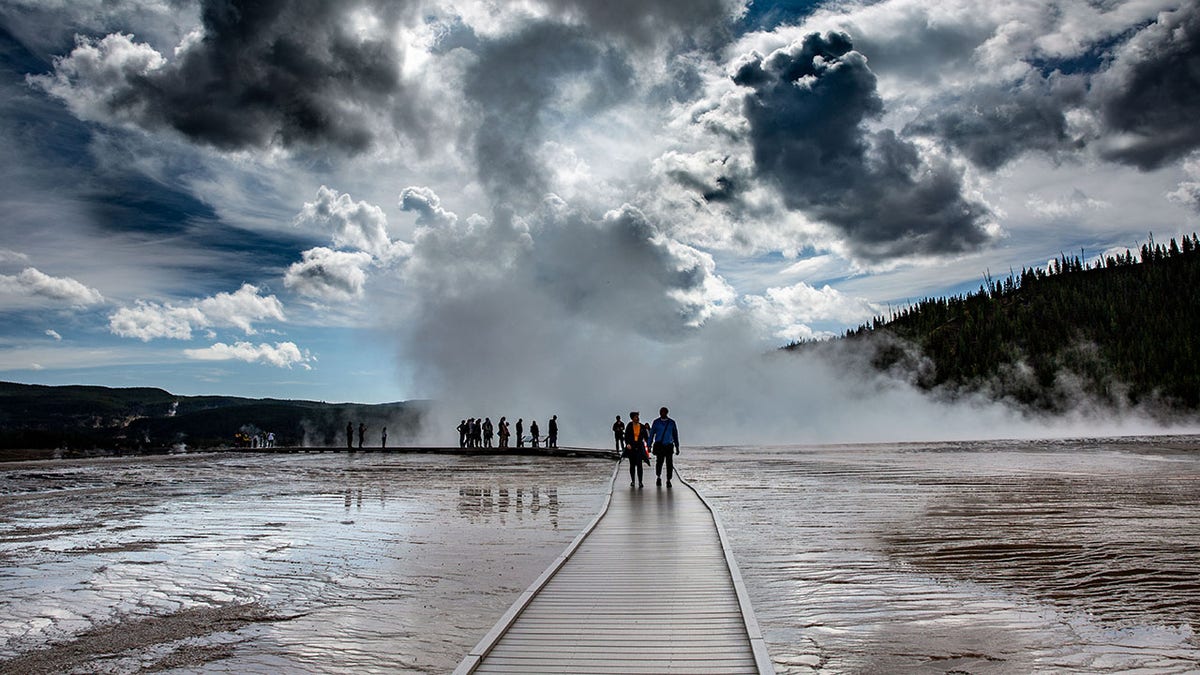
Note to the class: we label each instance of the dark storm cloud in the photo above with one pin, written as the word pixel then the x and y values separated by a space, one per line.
pixel 1151 94
pixel 292 73
pixel 992 126
pixel 517 84
pixel 807 112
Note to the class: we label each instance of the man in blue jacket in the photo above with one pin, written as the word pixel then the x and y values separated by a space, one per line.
pixel 664 436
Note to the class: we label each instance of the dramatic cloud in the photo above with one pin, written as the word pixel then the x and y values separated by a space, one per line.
pixel 807 112
pixel 428 207
pixel 994 125
pixel 354 225
pixel 329 275
pixel 149 320
pixel 33 284
pixel 280 355
pixel 256 74
pixel 1149 97
pixel 514 83
pixel 647 22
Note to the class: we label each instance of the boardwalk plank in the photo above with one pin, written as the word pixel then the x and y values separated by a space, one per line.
pixel 649 587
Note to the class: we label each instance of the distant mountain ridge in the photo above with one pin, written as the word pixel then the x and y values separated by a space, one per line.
pixel 1122 331
pixel 83 417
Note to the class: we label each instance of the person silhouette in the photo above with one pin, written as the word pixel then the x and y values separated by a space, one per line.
pixel 552 433
pixel 618 428
pixel 362 430
pixel 349 435
pixel 664 437
pixel 635 448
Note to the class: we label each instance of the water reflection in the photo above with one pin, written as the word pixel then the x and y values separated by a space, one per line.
pixel 261 564
pixel 488 503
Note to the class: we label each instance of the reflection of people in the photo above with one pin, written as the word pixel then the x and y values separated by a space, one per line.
pixel 635 448
pixel 362 431
pixel 619 432
pixel 552 434
pixel 533 432
pixel 383 439
pixel 349 435
pixel 664 437
pixel 520 430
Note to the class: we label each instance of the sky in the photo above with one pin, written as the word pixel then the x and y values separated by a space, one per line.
pixel 573 205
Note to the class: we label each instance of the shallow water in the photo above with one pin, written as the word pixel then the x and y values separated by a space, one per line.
pixel 998 557
pixel 255 563
pixel 1018 557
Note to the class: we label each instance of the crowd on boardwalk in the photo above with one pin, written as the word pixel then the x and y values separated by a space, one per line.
pixel 637 441
pixel 478 433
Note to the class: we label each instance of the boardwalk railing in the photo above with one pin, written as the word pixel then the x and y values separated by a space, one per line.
pixel 650 585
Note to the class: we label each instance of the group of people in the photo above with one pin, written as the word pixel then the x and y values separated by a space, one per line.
pixel 637 441
pixel 362 435
pixel 478 433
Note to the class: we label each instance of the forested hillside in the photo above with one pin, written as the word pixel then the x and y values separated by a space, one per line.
pixel 1124 330
pixel 83 417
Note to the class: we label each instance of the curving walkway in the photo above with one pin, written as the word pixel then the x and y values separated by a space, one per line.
pixel 650 586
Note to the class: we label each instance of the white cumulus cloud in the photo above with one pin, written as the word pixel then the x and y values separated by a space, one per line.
pixel 149 320
pixel 280 355
pixel 33 284
pixel 791 310
pixel 329 275
pixel 50 332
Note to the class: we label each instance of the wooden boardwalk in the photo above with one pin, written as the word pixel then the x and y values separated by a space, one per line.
pixel 650 586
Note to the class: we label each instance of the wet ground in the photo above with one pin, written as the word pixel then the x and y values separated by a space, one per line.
pixel 997 557
pixel 1021 557
pixel 297 563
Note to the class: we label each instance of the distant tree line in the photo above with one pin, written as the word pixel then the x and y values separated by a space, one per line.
pixel 1122 329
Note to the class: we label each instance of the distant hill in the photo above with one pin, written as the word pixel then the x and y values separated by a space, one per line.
pixel 84 417
pixel 1124 330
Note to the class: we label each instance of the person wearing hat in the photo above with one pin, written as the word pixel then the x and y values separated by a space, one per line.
pixel 664 437
pixel 635 448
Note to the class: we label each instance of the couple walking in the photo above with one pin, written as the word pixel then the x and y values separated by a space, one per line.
pixel 662 438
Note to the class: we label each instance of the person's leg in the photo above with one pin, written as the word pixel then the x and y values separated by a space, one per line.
pixel 639 473
pixel 632 471
pixel 658 466
pixel 670 455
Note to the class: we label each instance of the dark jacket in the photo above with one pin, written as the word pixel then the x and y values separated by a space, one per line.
pixel 639 446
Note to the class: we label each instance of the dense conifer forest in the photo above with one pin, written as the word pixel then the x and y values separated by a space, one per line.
pixel 1122 330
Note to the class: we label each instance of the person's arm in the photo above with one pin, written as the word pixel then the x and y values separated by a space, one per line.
pixel 675 428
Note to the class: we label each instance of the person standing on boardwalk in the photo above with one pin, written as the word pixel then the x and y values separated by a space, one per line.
pixel 619 433
pixel 462 434
pixel 487 432
pixel 503 430
pixel 552 434
pixel 362 431
pixel 635 448
pixel 383 439
pixel 664 439
pixel 349 435
pixel 533 432
pixel 520 430
pixel 477 433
